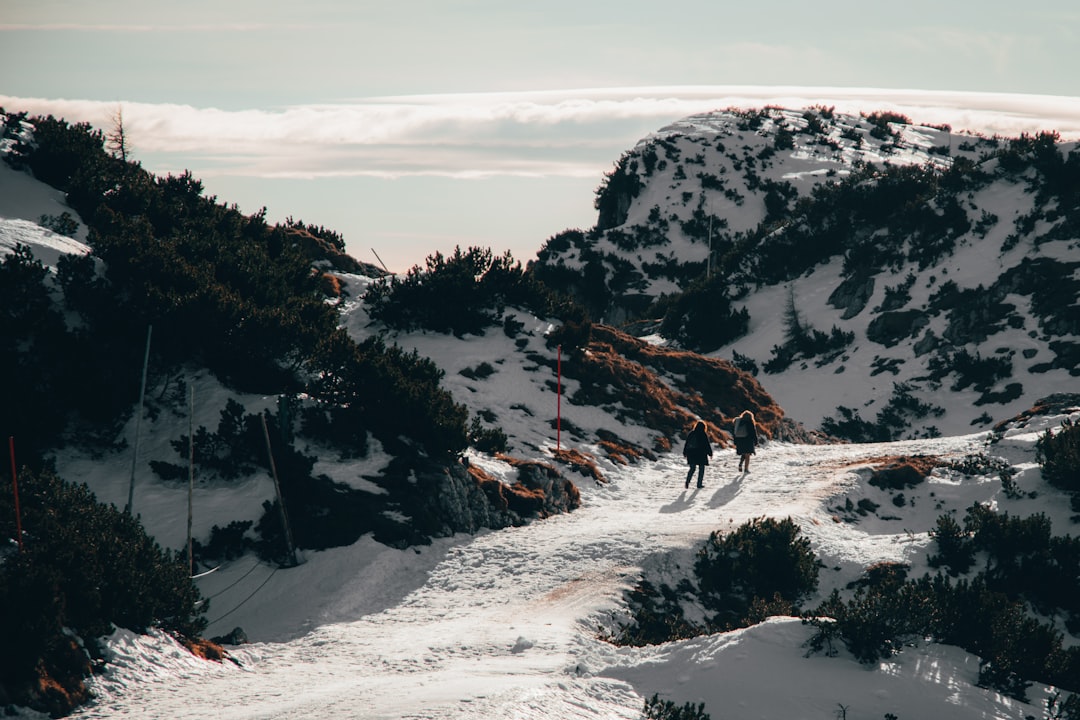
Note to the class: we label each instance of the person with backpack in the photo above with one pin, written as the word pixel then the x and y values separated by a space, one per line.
pixel 697 452
pixel 745 433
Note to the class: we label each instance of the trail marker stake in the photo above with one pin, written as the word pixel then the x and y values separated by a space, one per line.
pixel 15 489
pixel 558 406
pixel 138 421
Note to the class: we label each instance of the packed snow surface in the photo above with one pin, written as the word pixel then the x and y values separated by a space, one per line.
pixel 505 624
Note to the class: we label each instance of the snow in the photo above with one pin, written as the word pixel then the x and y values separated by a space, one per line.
pixel 505 624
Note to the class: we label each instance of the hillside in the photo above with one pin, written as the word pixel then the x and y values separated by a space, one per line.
pixel 259 354
pixel 881 279
pixel 484 490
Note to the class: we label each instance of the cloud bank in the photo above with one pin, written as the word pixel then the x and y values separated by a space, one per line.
pixel 530 134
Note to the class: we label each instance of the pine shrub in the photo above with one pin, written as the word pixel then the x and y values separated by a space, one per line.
pixel 1058 454
pixel 657 709
pixel 85 568
pixel 762 561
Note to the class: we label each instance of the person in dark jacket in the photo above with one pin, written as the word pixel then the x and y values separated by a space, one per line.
pixel 697 451
pixel 745 433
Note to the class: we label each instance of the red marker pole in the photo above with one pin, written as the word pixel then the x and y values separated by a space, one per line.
pixel 15 488
pixel 558 412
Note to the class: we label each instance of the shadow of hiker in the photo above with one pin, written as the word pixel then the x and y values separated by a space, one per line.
pixel 727 492
pixel 684 501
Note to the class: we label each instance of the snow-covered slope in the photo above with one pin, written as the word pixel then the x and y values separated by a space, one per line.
pixel 505 624
pixel 961 305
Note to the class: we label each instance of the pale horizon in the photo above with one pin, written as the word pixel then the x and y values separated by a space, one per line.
pixel 414 128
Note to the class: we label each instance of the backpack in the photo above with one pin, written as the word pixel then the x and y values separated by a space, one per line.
pixel 740 428
pixel 693 442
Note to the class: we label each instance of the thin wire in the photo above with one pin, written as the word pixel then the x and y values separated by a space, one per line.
pixel 236 581
pixel 247 598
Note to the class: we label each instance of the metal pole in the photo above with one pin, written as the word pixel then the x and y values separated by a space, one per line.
pixel 281 500
pixel 191 478
pixel 708 271
pixel 381 262
pixel 558 412
pixel 138 421
pixel 15 489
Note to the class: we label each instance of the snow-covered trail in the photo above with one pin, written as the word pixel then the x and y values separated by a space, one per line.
pixel 505 624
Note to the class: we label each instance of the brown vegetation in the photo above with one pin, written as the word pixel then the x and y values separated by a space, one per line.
pixel 316 248
pixel 900 471
pixel 668 390
pixel 527 497
pixel 205 649
pixel 330 285
pixel 580 463
pixel 623 451
pixel 58 685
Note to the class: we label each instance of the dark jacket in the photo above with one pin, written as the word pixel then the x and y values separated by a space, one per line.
pixel 745 444
pixel 697 450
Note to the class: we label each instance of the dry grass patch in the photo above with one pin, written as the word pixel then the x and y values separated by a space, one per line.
pixel 528 496
pixel 580 463
pixel 623 451
pixel 205 649
pixel 898 472
pixel 668 390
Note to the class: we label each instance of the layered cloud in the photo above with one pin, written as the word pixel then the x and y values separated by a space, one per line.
pixel 534 134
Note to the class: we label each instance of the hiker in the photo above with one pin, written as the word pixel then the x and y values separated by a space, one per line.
pixel 697 451
pixel 745 434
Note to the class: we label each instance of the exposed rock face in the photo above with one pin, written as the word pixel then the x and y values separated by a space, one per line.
pixel 457 498
pixel 890 328
pixel 852 295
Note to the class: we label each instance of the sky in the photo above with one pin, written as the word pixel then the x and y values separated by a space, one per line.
pixel 420 125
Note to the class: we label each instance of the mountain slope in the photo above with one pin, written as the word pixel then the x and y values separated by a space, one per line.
pixel 883 279
pixel 500 624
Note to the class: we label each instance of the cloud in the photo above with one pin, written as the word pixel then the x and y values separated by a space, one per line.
pixel 570 133
pixel 140 28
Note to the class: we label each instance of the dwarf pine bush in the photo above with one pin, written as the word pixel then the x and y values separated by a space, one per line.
pixel 657 709
pixel 1058 453
pixel 763 568
pixel 763 559
pixel 85 568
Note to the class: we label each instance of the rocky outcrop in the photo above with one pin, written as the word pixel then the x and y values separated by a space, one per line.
pixel 852 295
pixel 460 498
pixel 889 328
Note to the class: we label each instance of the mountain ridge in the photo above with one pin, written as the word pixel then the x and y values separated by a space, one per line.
pixel 846 252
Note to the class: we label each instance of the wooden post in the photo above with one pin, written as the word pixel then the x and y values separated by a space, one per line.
pixel 382 263
pixel 281 500
pixel 138 421
pixel 558 406
pixel 191 478
pixel 15 489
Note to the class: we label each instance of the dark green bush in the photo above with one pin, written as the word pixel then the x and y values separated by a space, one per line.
pixel 994 615
pixel 1058 454
pixel 489 440
pixel 85 567
pixel 762 559
pixel 657 709
pixel 703 317
pixel 384 391
pixel 481 286
pixel 955 550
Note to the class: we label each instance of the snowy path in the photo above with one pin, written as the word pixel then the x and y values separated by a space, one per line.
pixel 504 625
